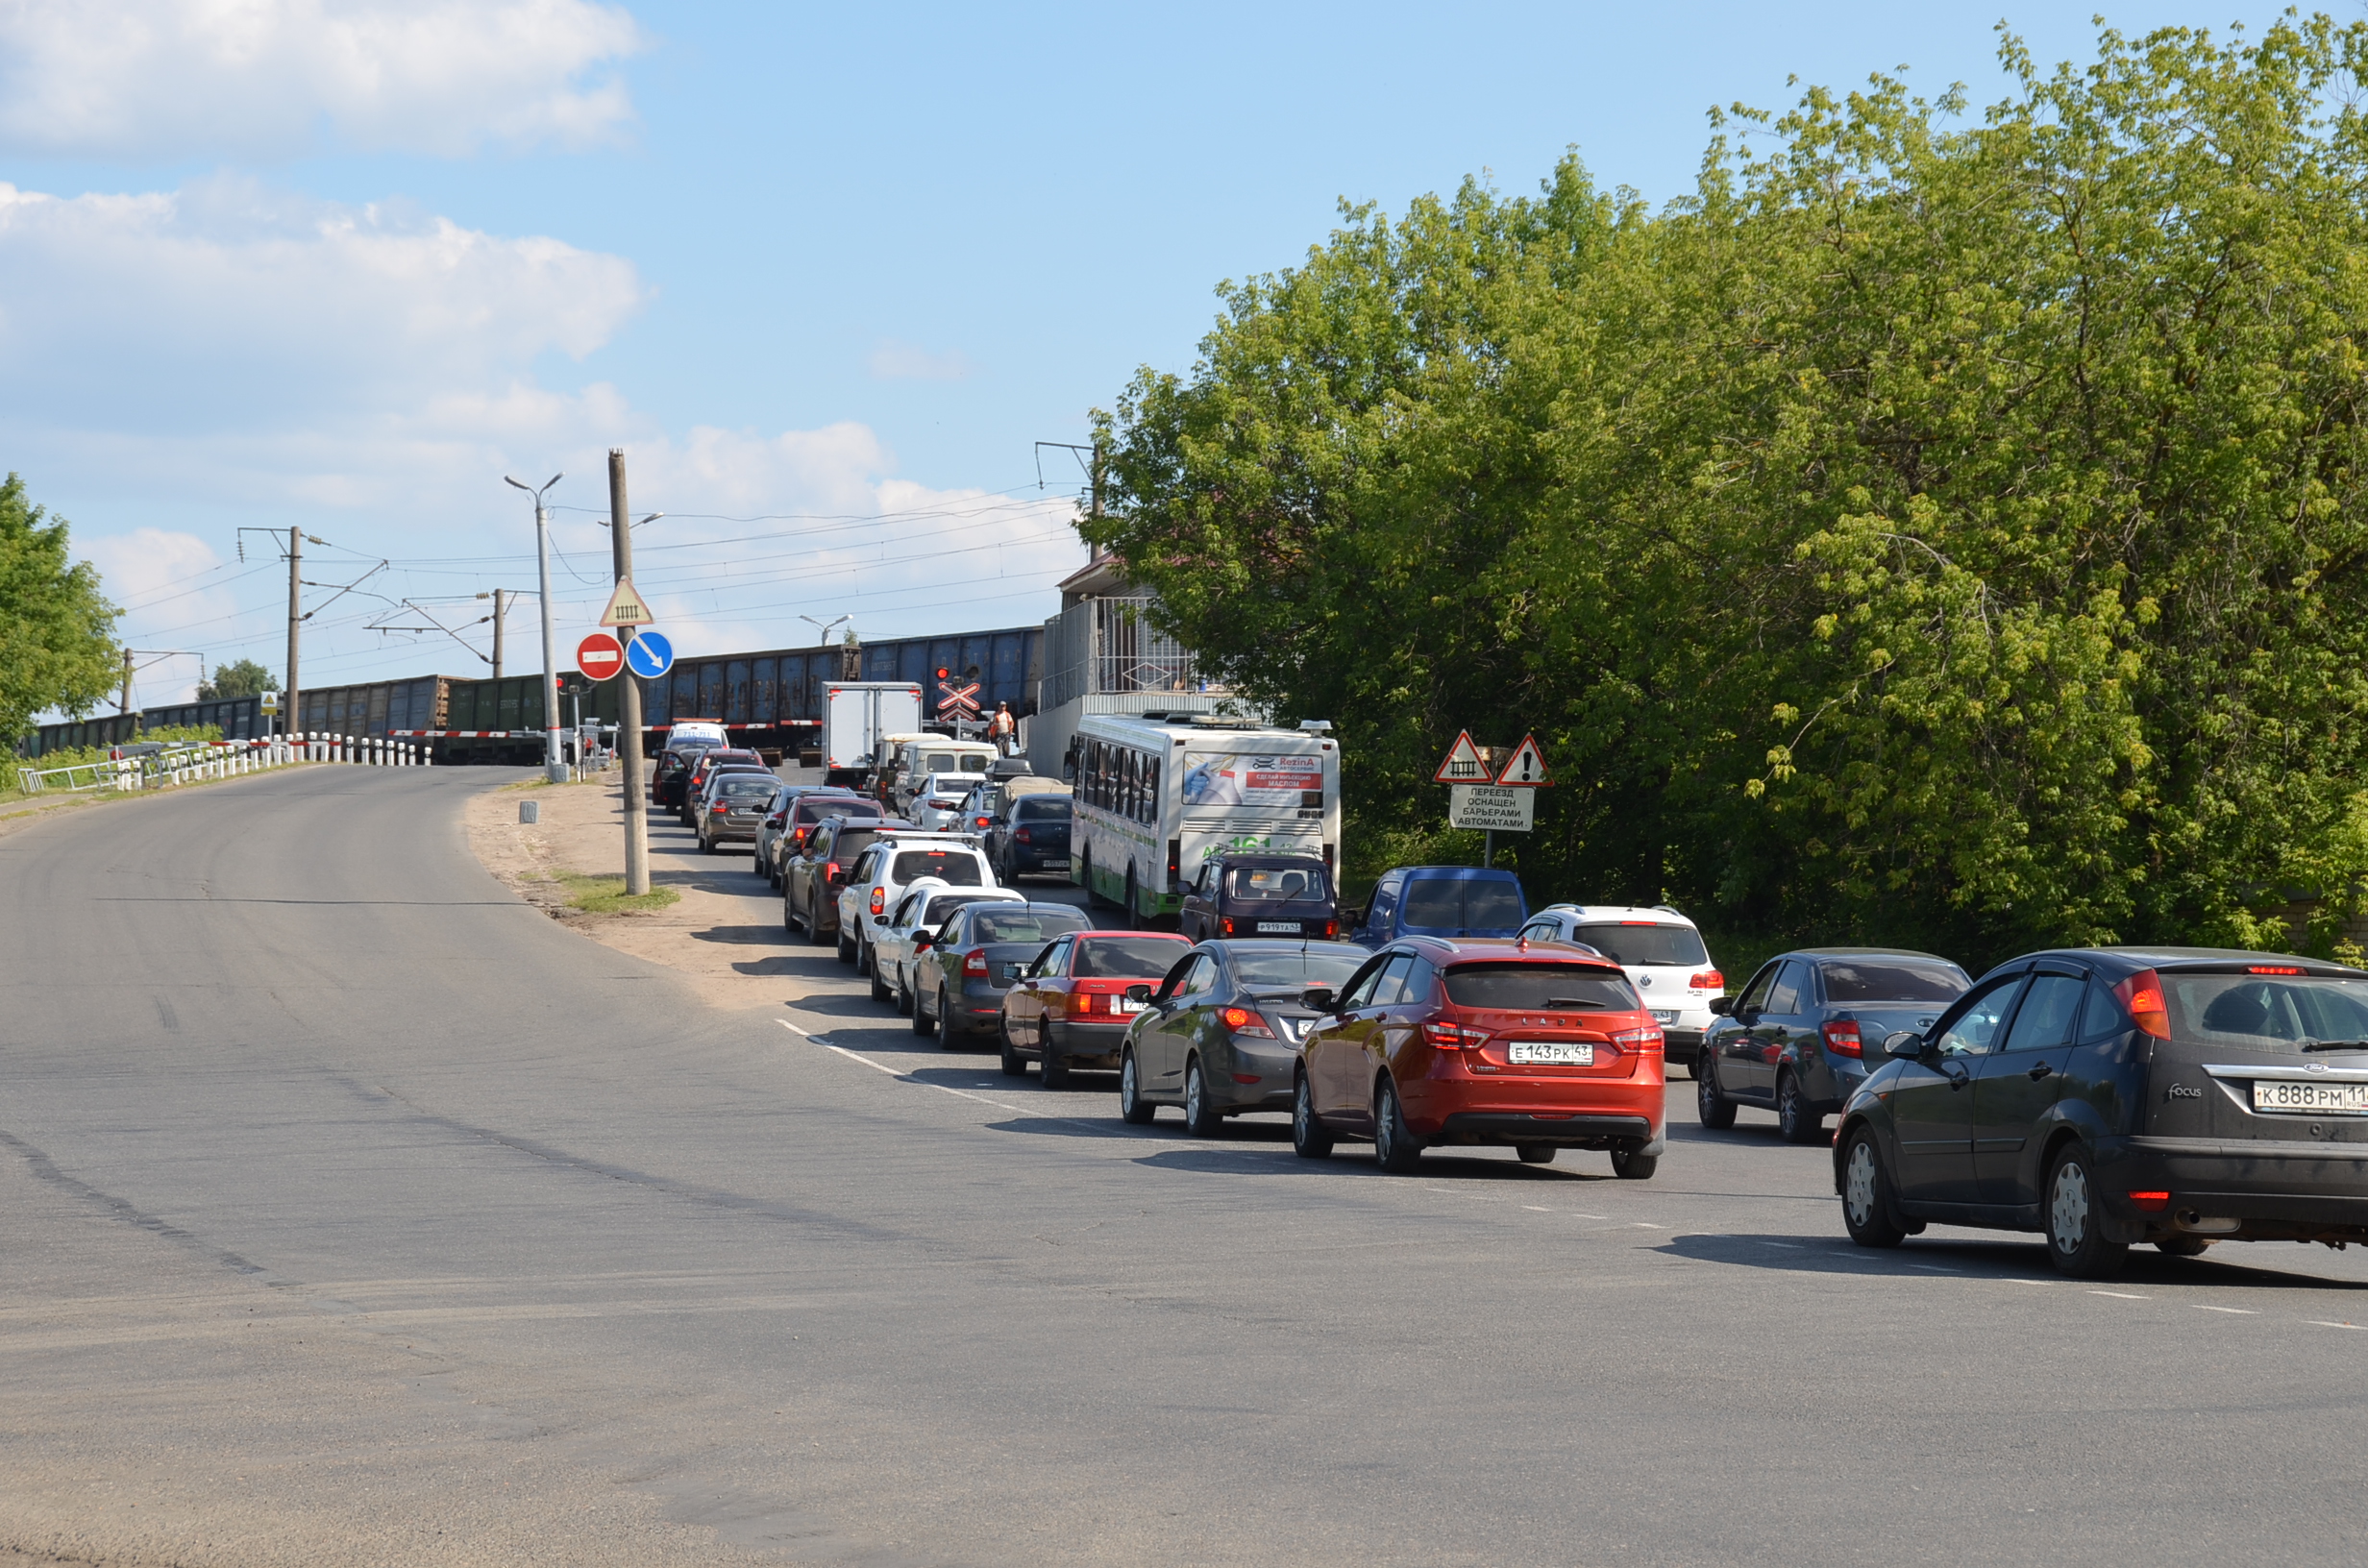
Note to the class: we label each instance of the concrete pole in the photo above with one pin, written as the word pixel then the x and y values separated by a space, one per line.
pixel 290 710
pixel 629 695
pixel 554 769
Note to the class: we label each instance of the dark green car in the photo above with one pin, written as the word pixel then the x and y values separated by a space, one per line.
pixel 1221 1034
pixel 961 969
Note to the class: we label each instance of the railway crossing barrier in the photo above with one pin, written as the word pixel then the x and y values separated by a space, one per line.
pixel 164 765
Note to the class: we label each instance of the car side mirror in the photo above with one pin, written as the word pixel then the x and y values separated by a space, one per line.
pixel 1138 993
pixel 1723 1006
pixel 921 940
pixel 1318 998
pixel 1904 1043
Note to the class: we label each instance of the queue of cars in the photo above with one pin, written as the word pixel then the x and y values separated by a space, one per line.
pixel 2101 1098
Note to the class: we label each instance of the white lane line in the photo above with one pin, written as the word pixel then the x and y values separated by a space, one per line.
pixel 2120 1295
pixel 1936 1268
pixel 2246 1312
pixel 1535 1210
pixel 791 1027
pixel 2011 1280
pixel 2321 1323
pixel 1789 1246
pixel 865 1060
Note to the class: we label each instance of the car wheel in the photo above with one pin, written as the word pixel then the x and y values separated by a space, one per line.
pixel 1795 1122
pixel 1015 1065
pixel 1133 1109
pixel 1535 1154
pixel 2185 1246
pixel 1202 1119
pixel 1085 880
pixel 2075 1217
pixel 1132 913
pixel 879 987
pixel 944 1020
pixel 1866 1195
pixel 1395 1149
pixel 1310 1137
pixel 903 995
pixel 847 948
pixel 789 920
pixel 921 1022
pixel 1054 1068
pixel 813 928
pixel 1632 1165
pixel 1710 1103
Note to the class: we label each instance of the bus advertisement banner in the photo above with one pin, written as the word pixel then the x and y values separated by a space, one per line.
pixel 1262 781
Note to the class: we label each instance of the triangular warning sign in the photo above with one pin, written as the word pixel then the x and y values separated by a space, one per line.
pixel 1462 765
pixel 1527 768
pixel 626 608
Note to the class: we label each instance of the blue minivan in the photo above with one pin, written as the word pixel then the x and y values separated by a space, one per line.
pixel 1440 902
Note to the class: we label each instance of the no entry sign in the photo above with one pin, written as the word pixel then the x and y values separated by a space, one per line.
pixel 600 655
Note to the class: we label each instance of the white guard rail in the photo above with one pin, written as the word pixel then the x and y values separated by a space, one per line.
pixel 186 764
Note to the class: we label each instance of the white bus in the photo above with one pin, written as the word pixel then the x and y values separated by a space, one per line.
pixel 1155 796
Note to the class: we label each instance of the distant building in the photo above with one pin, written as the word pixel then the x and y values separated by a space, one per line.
pixel 1102 654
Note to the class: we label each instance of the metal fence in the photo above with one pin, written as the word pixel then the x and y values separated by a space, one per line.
pixel 1109 644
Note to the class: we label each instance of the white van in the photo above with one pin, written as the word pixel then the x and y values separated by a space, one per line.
pixel 918 756
pixel 696 729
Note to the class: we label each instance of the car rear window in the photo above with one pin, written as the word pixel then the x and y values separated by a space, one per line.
pixel 1127 958
pixel 1540 988
pixel 741 787
pixel 1446 903
pixel 1649 945
pixel 854 842
pixel 1036 808
pixel 1280 883
pixel 938 762
pixel 1035 925
pixel 1297 971
pixel 1868 980
pixel 842 805
pixel 955 867
pixel 2266 1013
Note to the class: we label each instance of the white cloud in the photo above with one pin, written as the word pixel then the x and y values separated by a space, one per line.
pixel 161 578
pixel 226 304
pixel 179 79
pixel 894 361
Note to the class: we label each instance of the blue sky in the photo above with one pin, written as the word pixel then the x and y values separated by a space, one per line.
pixel 825 273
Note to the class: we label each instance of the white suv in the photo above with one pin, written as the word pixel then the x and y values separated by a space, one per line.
pixel 1662 953
pixel 893 862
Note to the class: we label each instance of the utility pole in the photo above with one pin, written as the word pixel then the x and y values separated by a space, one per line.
pixel 554 769
pixel 500 604
pixel 290 710
pixel 123 704
pixel 629 695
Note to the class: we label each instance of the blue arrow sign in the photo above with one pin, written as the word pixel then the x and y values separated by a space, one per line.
pixel 648 655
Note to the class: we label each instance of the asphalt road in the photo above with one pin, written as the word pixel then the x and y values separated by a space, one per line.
pixel 350 1210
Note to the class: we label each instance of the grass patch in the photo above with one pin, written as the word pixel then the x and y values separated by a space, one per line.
pixel 606 894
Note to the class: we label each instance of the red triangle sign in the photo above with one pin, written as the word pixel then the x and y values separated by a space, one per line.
pixel 1462 765
pixel 1527 768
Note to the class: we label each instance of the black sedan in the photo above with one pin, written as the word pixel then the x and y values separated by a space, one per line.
pixel 1221 1034
pixel 1797 1039
pixel 961 969
pixel 1030 838
pixel 2115 1096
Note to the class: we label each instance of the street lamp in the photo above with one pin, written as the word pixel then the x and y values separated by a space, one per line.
pixel 553 768
pixel 824 641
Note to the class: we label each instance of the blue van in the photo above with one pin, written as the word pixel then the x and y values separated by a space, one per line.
pixel 1441 901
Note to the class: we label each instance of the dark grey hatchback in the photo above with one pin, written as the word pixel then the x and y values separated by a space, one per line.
pixel 1794 1040
pixel 2109 1096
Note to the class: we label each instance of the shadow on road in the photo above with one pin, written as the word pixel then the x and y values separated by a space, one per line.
pixel 2020 1259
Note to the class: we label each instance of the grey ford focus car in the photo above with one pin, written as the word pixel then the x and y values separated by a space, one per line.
pixel 2106 1097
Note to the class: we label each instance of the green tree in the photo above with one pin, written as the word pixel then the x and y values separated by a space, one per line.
pixel 57 634
pixel 245 678
pixel 1932 532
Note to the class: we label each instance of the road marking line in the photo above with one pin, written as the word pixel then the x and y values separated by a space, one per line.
pixel 2247 1312
pixel 1535 1210
pixel 1645 1225
pixel 791 1027
pixel 865 1060
pixel 1789 1246
pixel 1936 1268
pixel 2009 1280
pixel 2120 1295
pixel 2322 1323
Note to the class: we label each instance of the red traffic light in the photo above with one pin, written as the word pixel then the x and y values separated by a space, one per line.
pixel 943 672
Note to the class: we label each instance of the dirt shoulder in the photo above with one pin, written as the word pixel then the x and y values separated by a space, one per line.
pixel 725 935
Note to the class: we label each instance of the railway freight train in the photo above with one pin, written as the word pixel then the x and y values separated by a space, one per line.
pixel 771 700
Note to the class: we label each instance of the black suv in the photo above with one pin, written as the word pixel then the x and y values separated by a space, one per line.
pixel 1029 837
pixel 1261 895
pixel 1804 1034
pixel 2107 1097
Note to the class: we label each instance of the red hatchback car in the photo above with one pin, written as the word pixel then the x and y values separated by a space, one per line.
pixel 1071 1005
pixel 1442 1044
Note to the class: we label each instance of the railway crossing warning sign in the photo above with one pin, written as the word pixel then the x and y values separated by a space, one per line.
pixel 1464 764
pixel 957 700
pixel 1493 808
pixel 626 608
pixel 1527 768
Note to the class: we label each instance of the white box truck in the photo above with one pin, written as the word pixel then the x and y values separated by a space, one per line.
pixel 858 715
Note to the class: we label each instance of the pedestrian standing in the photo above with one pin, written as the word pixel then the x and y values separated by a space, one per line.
pixel 1001 728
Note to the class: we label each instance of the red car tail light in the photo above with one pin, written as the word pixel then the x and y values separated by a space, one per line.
pixel 830 871
pixel 879 899
pixel 1843 1037
pixel 1453 1037
pixel 1331 928
pixel 2143 994
pixel 2273 969
pixel 1708 980
pixel 718 808
pixel 1228 924
pixel 1642 1042
pixel 983 821
pixel 1022 834
pixel 1241 1020
pixel 1081 1002
pixel 2152 1202
pixel 974 962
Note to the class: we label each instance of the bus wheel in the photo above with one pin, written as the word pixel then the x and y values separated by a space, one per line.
pixel 1133 911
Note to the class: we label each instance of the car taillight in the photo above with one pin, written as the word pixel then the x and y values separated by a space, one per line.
pixel 1642 1042
pixel 1708 980
pixel 1241 1020
pixel 983 821
pixel 974 962
pixel 1843 1037
pixel 831 869
pixel 1081 1002
pixel 1019 835
pixel 2153 1203
pixel 2267 969
pixel 2143 994
pixel 879 899
pixel 1228 924
pixel 1331 928
pixel 1453 1037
